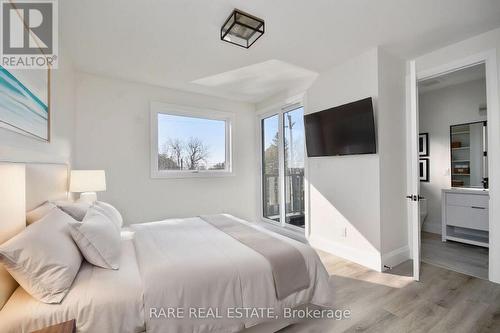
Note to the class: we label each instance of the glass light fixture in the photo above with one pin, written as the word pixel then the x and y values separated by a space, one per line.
pixel 242 29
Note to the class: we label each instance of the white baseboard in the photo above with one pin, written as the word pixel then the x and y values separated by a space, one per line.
pixel 396 257
pixel 432 227
pixel 365 258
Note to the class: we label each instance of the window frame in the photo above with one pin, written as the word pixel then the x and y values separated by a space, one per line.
pixel 157 108
pixel 280 110
pixel 262 118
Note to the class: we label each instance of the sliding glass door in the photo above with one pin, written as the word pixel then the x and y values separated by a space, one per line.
pixel 283 167
pixel 270 168
pixel 293 147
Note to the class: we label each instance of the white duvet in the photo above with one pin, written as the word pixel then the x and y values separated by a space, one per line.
pixel 101 300
pixel 198 279
pixel 175 265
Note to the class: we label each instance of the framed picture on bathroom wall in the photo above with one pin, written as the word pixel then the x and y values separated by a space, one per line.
pixel 423 166
pixel 423 144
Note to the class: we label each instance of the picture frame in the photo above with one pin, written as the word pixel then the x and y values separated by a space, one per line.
pixel 423 166
pixel 423 144
pixel 25 102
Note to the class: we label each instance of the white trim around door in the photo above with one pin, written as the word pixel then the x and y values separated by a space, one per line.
pixel 489 58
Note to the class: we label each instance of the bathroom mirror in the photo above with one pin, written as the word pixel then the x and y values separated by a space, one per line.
pixel 469 158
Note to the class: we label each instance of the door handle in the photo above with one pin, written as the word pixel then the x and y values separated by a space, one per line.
pixel 414 197
pixel 476 207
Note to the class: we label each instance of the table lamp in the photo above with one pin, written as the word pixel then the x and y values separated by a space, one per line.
pixel 87 183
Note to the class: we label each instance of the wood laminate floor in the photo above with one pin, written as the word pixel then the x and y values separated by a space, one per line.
pixel 459 257
pixel 443 301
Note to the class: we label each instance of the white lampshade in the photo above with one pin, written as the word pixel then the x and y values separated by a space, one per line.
pixel 87 181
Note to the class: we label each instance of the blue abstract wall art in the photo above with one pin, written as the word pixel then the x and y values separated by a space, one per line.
pixel 24 102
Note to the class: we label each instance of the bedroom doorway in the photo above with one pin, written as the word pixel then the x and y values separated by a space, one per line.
pixel 453 155
pixel 283 166
pixel 464 202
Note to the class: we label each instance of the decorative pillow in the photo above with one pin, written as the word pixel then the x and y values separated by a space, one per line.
pixel 98 239
pixel 111 212
pixel 39 212
pixel 43 258
pixel 76 210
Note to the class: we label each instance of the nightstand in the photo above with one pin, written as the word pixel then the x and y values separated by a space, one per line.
pixel 66 327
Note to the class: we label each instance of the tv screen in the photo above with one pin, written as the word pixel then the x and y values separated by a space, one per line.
pixel 343 130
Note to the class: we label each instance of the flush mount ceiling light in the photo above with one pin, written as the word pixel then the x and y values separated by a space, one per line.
pixel 242 29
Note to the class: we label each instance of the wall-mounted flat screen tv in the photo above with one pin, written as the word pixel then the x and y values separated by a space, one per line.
pixel 343 130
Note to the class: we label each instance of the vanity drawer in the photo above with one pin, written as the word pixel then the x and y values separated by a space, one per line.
pixel 467 217
pixel 467 200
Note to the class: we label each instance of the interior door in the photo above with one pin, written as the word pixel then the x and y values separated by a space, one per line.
pixel 413 182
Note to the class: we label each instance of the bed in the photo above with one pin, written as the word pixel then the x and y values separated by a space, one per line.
pixel 177 275
pixel 101 300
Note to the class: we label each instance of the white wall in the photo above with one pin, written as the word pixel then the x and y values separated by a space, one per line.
pixel 438 110
pixel 357 203
pixel 113 133
pixel 345 190
pixel 489 41
pixel 19 148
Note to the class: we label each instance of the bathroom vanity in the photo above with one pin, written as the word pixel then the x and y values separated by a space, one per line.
pixel 465 216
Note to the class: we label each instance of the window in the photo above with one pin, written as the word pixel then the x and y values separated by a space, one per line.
pixel 293 151
pixel 283 156
pixel 270 168
pixel 189 142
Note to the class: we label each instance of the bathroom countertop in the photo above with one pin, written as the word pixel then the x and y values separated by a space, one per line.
pixel 464 190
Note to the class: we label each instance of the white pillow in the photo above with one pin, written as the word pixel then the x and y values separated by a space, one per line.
pixel 39 212
pixel 98 239
pixel 111 212
pixel 43 258
pixel 76 210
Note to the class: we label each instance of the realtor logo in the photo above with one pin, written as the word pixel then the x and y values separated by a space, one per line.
pixel 29 34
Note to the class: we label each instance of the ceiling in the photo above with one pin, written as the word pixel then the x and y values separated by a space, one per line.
pixel 260 81
pixel 464 75
pixel 176 43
